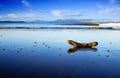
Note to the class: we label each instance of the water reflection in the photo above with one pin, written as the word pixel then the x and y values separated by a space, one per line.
pixel 37 54
pixel 75 49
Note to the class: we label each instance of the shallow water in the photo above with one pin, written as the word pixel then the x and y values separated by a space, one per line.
pixel 44 54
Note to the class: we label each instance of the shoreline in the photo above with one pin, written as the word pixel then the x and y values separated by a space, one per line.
pixel 104 28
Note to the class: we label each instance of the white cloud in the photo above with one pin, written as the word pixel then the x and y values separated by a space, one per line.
pixel 27 15
pixel 111 9
pixel 112 1
pixel 99 6
pixel 26 3
pixel 56 13
pixel 61 13
pixel 12 15
pixel 21 15
pixel 1 16
pixel 108 10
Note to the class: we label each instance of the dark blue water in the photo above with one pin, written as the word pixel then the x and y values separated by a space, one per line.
pixel 40 24
pixel 45 54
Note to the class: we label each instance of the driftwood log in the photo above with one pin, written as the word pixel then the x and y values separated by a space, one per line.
pixel 82 45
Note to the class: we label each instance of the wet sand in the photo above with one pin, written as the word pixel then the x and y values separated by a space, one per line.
pixel 46 54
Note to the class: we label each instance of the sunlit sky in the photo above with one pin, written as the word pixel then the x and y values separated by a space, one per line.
pixel 59 9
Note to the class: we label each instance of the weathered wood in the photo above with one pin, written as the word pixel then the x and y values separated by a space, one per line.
pixel 82 45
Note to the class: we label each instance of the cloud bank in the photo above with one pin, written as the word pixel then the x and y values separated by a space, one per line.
pixel 110 9
pixel 21 15
pixel 26 3
pixel 1 16
pixel 60 13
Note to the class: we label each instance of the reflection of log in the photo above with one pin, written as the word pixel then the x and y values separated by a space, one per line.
pixel 74 49
pixel 82 45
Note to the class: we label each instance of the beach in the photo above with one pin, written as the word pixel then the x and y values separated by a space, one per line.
pixel 59 39
pixel 44 53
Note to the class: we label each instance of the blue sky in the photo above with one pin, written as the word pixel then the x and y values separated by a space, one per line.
pixel 59 9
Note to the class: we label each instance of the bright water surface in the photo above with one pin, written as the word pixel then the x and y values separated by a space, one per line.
pixel 43 53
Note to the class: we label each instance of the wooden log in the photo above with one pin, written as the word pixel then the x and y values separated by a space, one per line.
pixel 82 45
